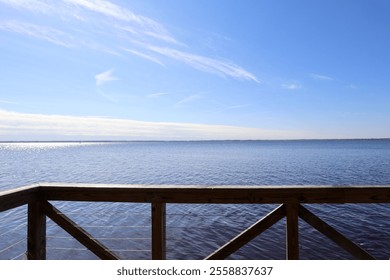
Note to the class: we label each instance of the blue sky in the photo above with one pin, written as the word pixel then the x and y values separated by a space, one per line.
pixel 194 70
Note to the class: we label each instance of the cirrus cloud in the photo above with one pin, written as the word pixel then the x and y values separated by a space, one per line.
pixel 15 126
pixel 102 25
pixel 105 77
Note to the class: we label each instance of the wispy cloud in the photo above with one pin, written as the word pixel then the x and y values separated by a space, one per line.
pixel 16 126
pixel 106 96
pixel 291 86
pixel 105 77
pixel 157 94
pixel 40 32
pixel 104 26
pixel 145 56
pixel 78 9
pixel 188 99
pixel 207 64
pixel 352 86
pixel 144 24
pixel 38 6
pixel 320 77
pixel 234 107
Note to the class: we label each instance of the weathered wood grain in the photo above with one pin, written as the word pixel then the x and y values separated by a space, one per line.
pixel 158 231
pixel 216 194
pixel 10 199
pixel 292 231
pixel 36 232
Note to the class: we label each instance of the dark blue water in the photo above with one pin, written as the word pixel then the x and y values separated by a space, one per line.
pixel 194 231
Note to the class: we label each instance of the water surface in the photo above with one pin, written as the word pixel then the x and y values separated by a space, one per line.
pixel 194 231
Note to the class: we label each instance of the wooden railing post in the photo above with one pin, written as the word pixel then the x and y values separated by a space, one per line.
pixel 158 231
pixel 36 232
pixel 292 231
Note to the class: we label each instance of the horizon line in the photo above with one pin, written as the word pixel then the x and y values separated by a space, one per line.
pixel 209 140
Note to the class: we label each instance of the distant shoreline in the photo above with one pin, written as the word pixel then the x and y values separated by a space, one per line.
pixel 151 141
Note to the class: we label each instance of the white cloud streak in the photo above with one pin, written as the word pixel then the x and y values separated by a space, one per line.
pixel 145 56
pixel 291 86
pixel 104 26
pixel 144 24
pixel 40 32
pixel 188 99
pixel 321 77
pixel 234 107
pixel 106 96
pixel 32 5
pixel 78 9
pixel 206 64
pixel 105 77
pixel 157 94
pixel 21 126
pixel 352 86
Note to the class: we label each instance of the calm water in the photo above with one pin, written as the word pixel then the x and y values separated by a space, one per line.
pixel 194 231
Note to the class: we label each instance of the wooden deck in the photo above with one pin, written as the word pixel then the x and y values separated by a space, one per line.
pixel 289 199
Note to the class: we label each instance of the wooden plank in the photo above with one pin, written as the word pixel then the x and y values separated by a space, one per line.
pixel 247 235
pixel 292 231
pixel 158 231
pixel 333 234
pixel 195 194
pixel 78 233
pixel 17 197
pixel 36 232
pixel 216 194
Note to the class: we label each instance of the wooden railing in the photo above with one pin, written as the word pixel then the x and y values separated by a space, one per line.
pixel 290 198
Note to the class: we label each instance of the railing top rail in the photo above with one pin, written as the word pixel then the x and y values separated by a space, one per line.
pixel 182 186
pixel 17 197
pixel 217 194
pixel 194 194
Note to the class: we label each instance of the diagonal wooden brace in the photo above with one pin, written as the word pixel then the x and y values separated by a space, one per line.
pixel 77 232
pixel 248 234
